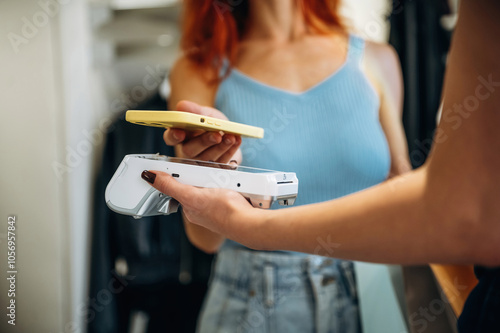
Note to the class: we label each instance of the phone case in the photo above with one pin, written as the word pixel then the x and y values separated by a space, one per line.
pixel 191 121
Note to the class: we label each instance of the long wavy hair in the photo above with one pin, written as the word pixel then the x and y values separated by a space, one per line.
pixel 212 29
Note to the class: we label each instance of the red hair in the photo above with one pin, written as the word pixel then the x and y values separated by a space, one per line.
pixel 213 28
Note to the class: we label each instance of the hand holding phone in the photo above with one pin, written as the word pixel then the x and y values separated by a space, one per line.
pixel 201 144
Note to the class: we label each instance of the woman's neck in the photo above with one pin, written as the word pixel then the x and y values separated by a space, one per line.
pixel 279 20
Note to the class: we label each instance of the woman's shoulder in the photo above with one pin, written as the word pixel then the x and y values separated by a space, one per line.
pixel 185 69
pixel 190 81
pixel 381 62
pixel 382 59
pixel 381 54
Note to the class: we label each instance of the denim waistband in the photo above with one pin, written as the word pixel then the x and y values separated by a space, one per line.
pixel 279 292
pixel 242 270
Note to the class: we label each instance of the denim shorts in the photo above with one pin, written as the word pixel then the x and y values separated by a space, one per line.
pixel 252 291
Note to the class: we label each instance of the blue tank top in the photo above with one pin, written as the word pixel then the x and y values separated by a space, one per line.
pixel 329 135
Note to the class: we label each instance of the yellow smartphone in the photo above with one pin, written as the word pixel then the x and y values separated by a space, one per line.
pixel 191 121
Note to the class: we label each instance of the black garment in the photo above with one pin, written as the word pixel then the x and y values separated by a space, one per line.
pixel 481 312
pixel 155 250
pixel 422 45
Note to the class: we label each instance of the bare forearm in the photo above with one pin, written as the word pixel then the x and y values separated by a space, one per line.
pixel 202 238
pixel 391 223
pixel 365 226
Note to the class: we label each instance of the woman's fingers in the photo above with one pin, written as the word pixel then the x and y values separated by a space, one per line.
pixel 174 136
pixel 222 152
pixel 216 209
pixel 197 145
pixel 210 146
pixel 229 154
pixel 207 146
pixel 166 184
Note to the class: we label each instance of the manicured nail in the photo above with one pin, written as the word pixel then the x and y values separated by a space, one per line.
pixel 148 176
pixel 233 164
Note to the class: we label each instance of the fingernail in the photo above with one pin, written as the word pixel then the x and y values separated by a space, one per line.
pixel 148 176
pixel 174 134
pixel 228 141
pixel 213 138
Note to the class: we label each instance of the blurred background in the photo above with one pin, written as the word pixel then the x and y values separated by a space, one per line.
pixel 69 69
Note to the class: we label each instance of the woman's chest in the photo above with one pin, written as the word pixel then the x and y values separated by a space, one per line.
pixel 295 67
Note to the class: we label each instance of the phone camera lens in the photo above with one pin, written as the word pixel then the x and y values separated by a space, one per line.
pixel 202 120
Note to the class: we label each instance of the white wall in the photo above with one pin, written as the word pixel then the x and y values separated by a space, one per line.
pixel 45 106
pixel 82 142
pixel 31 137
pixel 368 18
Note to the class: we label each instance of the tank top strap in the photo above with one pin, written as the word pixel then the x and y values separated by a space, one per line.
pixel 355 49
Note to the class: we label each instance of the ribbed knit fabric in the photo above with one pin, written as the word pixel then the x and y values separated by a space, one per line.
pixel 329 135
